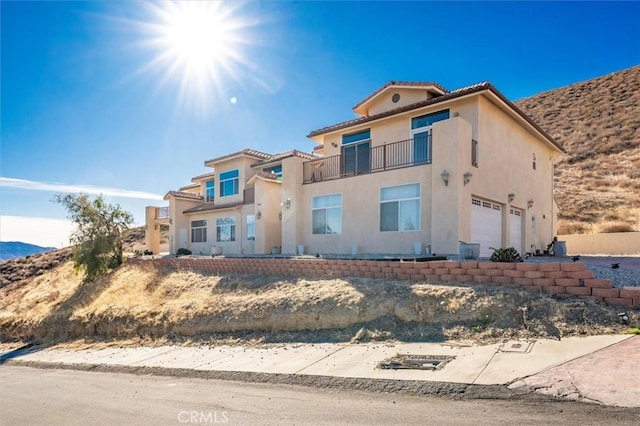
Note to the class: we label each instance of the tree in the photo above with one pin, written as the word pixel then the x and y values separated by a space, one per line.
pixel 99 233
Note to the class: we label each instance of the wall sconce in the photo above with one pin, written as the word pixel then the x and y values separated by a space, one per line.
pixel 467 177
pixel 529 203
pixel 258 215
pixel 455 114
pixel 333 144
pixel 287 203
pixel 511 197
pixel 445 177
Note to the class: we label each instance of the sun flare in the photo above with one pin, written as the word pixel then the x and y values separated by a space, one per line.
pixel 198 43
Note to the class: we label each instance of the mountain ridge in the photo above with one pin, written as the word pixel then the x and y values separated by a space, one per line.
pixel 15 249
pixel 597 121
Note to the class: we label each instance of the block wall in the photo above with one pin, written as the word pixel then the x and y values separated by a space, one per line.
pixel 554 278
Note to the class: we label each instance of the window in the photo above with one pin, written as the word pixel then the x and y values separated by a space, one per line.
pixel 276 170
pixel 327 214
pixel 251 227
pixel 474 153
pixel 229 183
pixel 428 119
pixel 225 229
pixel 356 149
pixel 400 208
pixel 421 135
pixel 198 231
pixel 210 189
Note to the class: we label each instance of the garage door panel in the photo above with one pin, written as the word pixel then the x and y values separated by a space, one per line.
pixel 486 225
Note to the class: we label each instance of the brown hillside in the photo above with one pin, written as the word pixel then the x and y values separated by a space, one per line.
pixel 598 123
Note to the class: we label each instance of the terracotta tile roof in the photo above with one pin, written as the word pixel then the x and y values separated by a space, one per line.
pixel 463 91
pixel 185 195
pixel 400 84
pixel 245 152
pixel 283 155
pixel 207 207
pixel 268 176
pixel 203 176
pixel 192 186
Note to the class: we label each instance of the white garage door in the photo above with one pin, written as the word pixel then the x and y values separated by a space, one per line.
pixel 515 229
pixel 486 225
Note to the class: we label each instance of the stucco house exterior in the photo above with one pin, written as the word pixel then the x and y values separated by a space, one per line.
pixel 419 171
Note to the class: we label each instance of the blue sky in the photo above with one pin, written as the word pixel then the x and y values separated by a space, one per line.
pixel 98 96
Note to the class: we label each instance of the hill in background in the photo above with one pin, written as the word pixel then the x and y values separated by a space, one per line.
pixel 14 249
pixel 598 123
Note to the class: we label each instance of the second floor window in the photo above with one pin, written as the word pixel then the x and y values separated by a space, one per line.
pixel 210 191
pixel 356 152
pixel 229 183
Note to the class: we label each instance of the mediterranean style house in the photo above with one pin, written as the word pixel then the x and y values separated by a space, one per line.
pixel 419 172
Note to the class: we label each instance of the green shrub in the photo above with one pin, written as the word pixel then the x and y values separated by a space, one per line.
pixel 508 254
pixel 183 252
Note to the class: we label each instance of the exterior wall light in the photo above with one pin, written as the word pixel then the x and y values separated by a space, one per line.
pixel 287 203
pixel 258 215
pixel 511 196
pixel 467 177
pixel 445 177
pixel 530 203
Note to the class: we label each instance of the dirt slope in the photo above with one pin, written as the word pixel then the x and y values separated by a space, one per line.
pixel 137 303
pixel 598 123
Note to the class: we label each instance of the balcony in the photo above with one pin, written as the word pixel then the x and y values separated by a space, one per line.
pixel 162 213
pixel 407 153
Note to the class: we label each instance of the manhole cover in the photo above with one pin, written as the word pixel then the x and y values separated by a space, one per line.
pixel 518 346
pixel 415 362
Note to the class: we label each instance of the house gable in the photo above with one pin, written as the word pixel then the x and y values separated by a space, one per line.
pixel 397 94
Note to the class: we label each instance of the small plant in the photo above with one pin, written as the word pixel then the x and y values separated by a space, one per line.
pixel 183 252
pixel 635 331
pixel 508 254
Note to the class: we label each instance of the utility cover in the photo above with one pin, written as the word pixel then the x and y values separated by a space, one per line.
pixel 415 362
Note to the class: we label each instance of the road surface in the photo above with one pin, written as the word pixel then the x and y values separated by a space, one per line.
pixel 30 396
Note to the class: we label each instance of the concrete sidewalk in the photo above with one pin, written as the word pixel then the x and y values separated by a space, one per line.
pixel 602 369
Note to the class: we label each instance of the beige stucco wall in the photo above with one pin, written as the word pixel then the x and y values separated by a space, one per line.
pixel 178 221
pixel 268 227
pixel 243 164
pixel 505 166
pixel 292 188
pixel 614 244
pixel 407 96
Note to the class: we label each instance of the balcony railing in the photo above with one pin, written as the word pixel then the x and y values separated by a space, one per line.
pixel 410 152
pixel 162 213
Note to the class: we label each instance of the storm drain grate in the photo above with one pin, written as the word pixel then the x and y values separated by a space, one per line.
pixel 415 362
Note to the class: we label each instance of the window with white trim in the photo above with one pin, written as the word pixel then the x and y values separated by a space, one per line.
pixel 326 213
pixel 225 229
pixel 210 189
pixel 198 231
pixel 400 208
pixel 229 183
pixel 251 227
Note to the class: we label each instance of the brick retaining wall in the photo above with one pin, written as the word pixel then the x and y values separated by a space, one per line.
pixel 554 278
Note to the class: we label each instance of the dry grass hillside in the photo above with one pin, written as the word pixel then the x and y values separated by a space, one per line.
pixel 136 303
pixel 598 123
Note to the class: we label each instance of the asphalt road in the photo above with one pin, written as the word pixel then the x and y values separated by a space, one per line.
pixel 31 396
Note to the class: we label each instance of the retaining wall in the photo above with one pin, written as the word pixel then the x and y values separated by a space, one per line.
pixel 613 244
pixel 553 278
